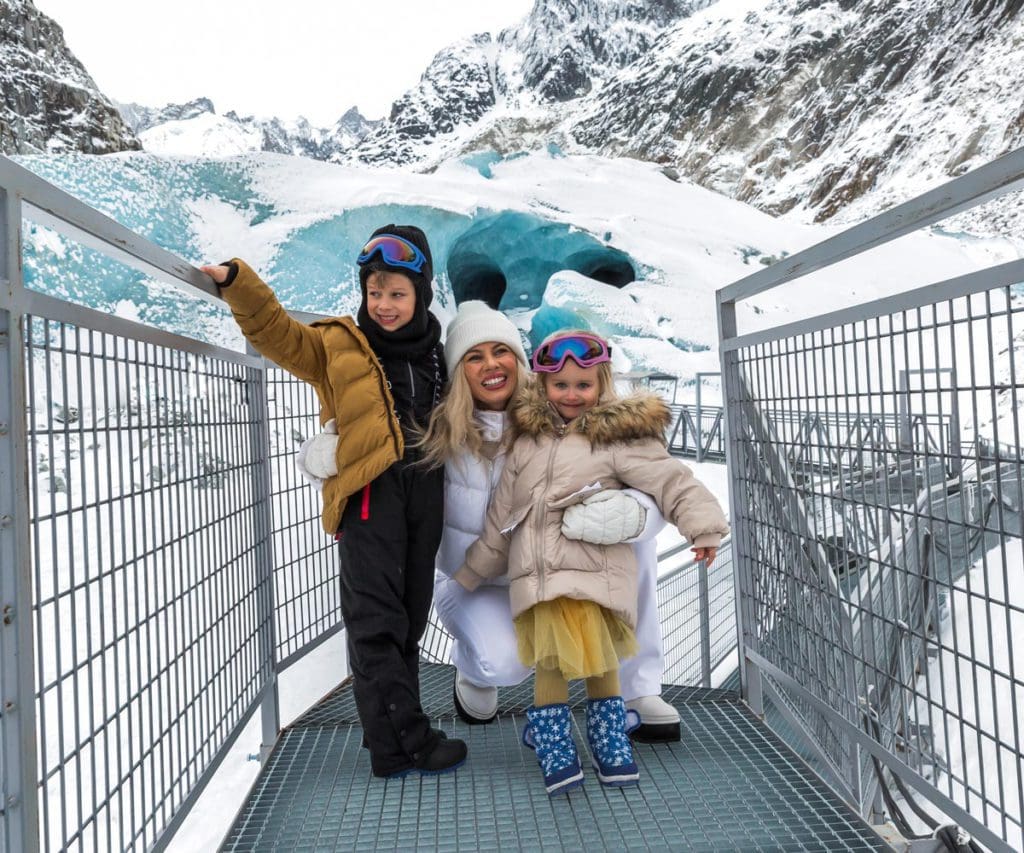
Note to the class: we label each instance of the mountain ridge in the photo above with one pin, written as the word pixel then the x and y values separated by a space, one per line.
pixel 820 110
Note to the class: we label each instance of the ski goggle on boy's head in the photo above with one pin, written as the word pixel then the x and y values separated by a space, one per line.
pixel 395 251
pixel 585 350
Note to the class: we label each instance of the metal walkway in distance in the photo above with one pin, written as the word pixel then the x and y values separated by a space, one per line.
pixel 729 784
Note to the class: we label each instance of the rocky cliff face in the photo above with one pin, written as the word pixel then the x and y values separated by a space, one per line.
pixel 48 102
pixel 813 104
pixel 455 92
pixel 567 48
pixel 819 108
pixel 508 93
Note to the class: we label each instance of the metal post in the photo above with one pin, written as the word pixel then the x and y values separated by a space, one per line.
pixel 20 804
pixel 270 709
pixel 705 623
pixel 700 413
pixel 750 675
pixel 700 437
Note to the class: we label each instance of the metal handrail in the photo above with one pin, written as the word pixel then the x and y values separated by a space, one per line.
pixel 111 670
pixel 862 654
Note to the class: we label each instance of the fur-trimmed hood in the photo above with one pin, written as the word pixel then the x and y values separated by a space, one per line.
pixel 639 416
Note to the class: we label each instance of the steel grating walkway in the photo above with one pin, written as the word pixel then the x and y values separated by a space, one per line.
pixel 730 784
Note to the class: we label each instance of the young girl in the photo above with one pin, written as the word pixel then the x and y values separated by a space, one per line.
pixel 376 380
pixel 574 603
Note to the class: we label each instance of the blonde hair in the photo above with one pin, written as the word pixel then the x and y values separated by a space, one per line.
pixel 605 381
pixel 452 429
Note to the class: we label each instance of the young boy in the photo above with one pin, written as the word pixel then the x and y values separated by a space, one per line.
pixel 376 378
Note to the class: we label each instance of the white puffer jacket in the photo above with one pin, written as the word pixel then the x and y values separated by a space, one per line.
pixel 469 483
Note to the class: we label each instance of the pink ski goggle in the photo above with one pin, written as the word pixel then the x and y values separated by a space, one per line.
pixel 585 350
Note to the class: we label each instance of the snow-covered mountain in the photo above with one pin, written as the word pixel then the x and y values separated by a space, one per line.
pixel 819 107
pixel 815 109
pixel 508 94
pixel 48 101
pixel 195 129
pixel 825 106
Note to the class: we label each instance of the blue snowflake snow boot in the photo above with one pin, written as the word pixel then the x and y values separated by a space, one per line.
pixel 609 742
pixel 549 732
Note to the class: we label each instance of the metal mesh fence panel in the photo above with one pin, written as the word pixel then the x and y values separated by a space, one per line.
pixel 697 611
pixel 308 607
pixel 150 601
pixel 879 468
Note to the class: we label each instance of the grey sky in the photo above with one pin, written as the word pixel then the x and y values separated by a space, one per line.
pixel 269 57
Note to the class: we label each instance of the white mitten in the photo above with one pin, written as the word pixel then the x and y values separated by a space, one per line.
pixel 317 459
pixel 605 518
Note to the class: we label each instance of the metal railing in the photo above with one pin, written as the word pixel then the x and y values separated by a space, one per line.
pixel 161 561
pixel 160 564
pixel 697 432
pixel 879 581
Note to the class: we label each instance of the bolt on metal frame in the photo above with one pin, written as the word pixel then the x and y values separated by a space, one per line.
pixel 875 469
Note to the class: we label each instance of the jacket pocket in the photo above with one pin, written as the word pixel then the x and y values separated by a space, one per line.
pixel 578 496
pixel 514 519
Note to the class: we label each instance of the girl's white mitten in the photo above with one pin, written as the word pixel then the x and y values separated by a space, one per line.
pixel 605 518
pixel 317 457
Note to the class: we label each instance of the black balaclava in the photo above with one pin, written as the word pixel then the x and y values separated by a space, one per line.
pixel 423 331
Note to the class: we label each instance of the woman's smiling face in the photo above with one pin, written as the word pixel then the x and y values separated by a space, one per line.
pixel 492 371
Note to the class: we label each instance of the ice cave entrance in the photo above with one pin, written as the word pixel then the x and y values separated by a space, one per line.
pixel 503 258
pixel 506 259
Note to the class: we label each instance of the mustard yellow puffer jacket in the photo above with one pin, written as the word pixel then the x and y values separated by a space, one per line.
pixel 334 357
pixel 552 466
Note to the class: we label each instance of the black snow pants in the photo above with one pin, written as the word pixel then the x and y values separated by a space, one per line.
pixel 390 532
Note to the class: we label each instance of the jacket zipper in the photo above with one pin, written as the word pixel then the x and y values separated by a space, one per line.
pixel 539 544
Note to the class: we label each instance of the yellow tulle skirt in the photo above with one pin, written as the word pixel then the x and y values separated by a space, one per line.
pixel 580 638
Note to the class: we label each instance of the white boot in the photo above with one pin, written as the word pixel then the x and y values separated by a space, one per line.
pixel 659 721
pixel 474 704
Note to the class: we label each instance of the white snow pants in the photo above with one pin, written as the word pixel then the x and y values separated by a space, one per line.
pixel 485 639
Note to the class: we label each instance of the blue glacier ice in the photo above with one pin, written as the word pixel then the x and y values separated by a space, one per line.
pixel 507 258
pixel 502 257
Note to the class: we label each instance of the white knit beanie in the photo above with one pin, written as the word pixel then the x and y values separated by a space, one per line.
pixel 477 323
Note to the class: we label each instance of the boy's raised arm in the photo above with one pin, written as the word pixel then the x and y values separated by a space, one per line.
pixel 296 347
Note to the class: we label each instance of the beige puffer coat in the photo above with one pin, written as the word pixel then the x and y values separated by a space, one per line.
pixel 552 466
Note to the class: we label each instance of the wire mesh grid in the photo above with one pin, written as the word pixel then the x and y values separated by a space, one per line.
pixel 880 467
pixel 148 605
pixel 729 784
pixel 698 626
pixel 308 607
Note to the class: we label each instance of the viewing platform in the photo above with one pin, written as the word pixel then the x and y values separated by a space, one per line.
pixel 729 784
pixel 847 670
